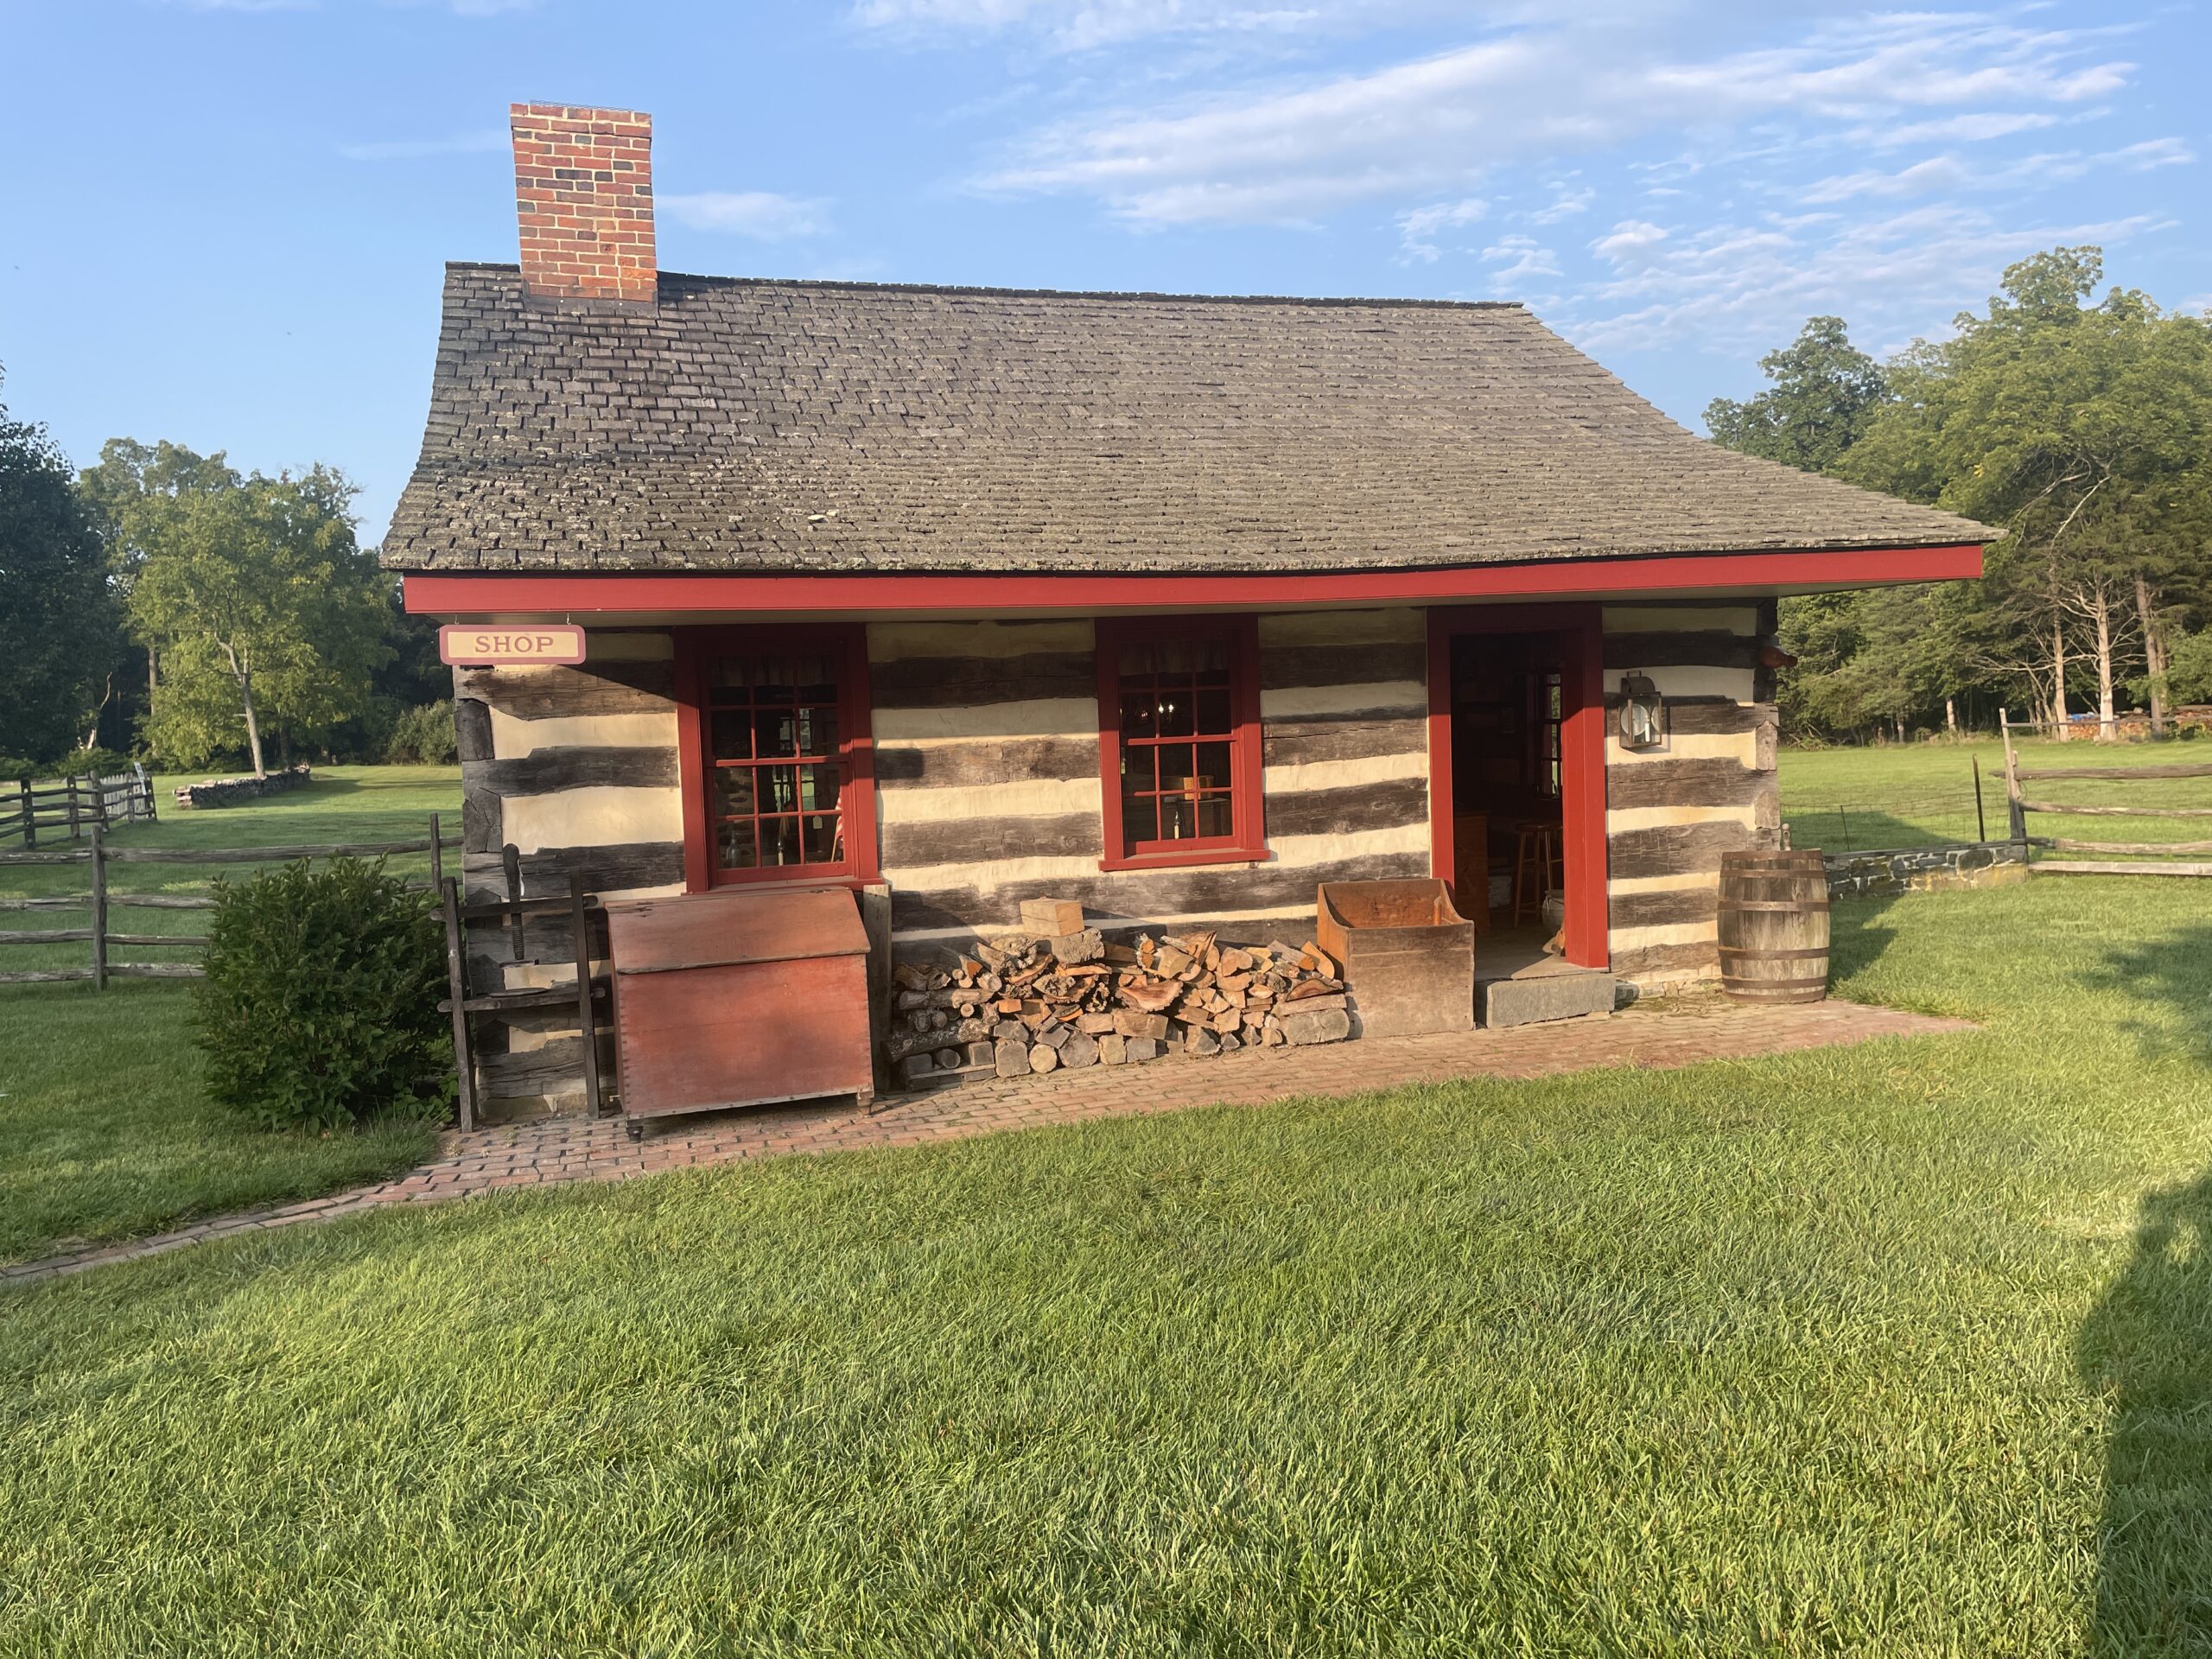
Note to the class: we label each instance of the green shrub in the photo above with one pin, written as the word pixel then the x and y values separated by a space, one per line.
pixel 320 1004
pixel 423 735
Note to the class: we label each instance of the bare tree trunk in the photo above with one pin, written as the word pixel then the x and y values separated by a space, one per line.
pixel 2058 674
pixel 2154 654
pixel 252 727
pixel 107 695
pixel 1951 715
pixel 2100 613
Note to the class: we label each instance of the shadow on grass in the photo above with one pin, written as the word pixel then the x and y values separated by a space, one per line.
pixel 1857 934
pixel 1855 829
pixel 2171 971
pixel 2147 1349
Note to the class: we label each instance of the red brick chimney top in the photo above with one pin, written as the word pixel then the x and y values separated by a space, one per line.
pixel 584 201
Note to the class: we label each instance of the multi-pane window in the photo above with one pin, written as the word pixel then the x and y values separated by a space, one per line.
pixel 1183 768
pixel 1551 709
pixel 775 776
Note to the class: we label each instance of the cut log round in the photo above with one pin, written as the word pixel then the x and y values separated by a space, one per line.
pixel 1773 927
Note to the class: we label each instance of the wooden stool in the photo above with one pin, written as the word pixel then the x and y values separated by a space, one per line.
pixel 1536 852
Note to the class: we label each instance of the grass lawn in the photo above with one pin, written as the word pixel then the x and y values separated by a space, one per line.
pixel 1920 794
pixel 103 1130
pixel 1905 1349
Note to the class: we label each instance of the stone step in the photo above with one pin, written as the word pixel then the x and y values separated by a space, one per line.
pixel 1548 996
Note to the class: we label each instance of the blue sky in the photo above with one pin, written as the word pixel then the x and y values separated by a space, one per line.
pixel 229 216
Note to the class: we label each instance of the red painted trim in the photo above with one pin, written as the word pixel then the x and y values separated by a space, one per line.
pixel 1582 794
pixel 611 594
pixel 1582 754
pixel 1247 843
pixel 855 748
pixel 691 756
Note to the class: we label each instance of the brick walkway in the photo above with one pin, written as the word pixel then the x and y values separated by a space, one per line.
pixel 1678 1031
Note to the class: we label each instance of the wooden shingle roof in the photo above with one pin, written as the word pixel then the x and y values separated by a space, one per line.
pixel 797 426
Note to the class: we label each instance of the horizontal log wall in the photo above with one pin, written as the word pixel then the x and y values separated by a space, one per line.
pixel 1708 789
pixel 987 758
pixel 988 792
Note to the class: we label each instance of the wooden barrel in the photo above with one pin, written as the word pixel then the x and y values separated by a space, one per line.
pixel 1773 927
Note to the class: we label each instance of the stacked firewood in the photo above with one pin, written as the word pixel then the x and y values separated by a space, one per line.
pixel 1033 1003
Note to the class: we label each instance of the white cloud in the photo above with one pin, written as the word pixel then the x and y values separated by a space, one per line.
pixel 1417 226
pixel 1564 204
pixel 1923 178
pixel 1521 260
pixel 2156 152
pixel 1944 174
pixel 1082 25
pixel 761 214
pixel 1420 128
pixel 1627 240
pixel 1974 127
pixel 1734 288
pixel 412 150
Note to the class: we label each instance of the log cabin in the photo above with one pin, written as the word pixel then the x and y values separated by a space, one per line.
pixel 1175 606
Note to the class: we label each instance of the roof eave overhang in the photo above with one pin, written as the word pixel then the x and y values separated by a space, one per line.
pixel 662 593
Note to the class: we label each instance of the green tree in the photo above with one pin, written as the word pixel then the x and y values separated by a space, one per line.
pixel 1825 393
pixel 1864 658
pixel 2081 429
pixel 261 607
pixel 58 621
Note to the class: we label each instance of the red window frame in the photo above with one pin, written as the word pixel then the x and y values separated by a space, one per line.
pixel 696 651
pixel 1246 842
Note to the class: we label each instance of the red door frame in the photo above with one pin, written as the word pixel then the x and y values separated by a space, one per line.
pixel 1582 752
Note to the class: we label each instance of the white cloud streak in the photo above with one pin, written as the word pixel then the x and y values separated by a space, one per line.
pixel 760 214
pixel 1291 154
pixel 1417 227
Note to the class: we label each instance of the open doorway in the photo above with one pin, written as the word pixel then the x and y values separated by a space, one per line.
pixel 1518 781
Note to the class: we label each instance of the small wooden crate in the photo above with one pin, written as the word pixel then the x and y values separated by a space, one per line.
pixel 1407 953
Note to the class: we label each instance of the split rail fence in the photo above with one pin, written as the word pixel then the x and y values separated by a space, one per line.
pixel 74 806
pixel 100 937
pixel 2122 857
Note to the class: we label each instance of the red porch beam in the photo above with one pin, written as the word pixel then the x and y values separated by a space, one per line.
pixel 612 593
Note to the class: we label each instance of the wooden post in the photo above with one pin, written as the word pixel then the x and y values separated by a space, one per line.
pixel 2016 818
pixel 31 815
pixel 1980 822
pixel 99 911
pixel 510 866
pixel 69 794
pixel 437 858
pixel 146 790
pixel 579 919
pixel 457 994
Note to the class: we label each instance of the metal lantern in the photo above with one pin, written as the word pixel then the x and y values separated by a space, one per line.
pixel 1643 714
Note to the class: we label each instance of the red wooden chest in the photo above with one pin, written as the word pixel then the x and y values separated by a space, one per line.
pixel 739 998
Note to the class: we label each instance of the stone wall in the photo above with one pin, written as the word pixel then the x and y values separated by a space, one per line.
pixel 230 791
pixel 1927 869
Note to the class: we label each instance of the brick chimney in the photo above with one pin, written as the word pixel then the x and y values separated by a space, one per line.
pixel 584 198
